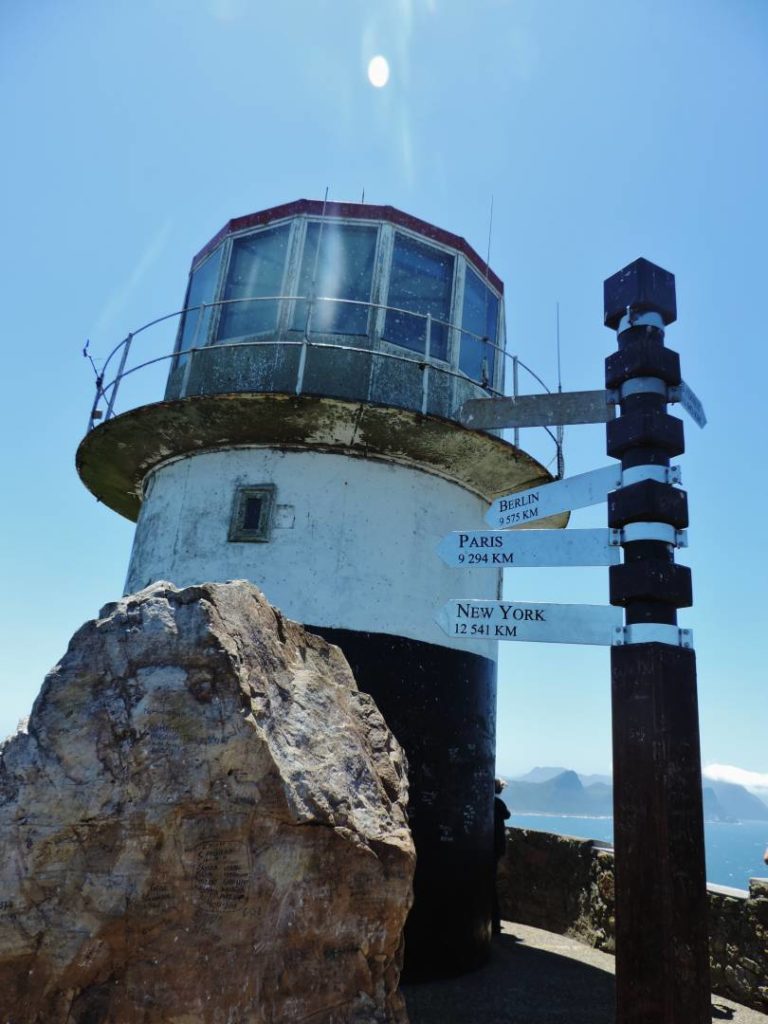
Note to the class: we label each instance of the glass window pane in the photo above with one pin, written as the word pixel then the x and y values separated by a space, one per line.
pixel 252 514
pixel 344 269
pixel 202 288
pixel 256 269
pixel 480 316
pixel 420 280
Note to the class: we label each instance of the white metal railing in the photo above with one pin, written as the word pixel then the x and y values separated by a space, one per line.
pixel 107 390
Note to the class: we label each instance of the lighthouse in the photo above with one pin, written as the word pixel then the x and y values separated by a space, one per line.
pixel 308 441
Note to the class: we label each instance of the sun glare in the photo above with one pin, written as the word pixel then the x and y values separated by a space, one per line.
pixel 378 72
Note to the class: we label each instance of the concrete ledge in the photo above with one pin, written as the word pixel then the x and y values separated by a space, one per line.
pixel 114 459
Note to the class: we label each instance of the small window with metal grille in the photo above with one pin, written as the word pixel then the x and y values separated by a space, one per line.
pixel 252 513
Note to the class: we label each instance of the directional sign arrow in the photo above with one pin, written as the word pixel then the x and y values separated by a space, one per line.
pixel 498 549
pixel 546 410
pixel 549 499
pixel 543 623
pixel 563 408
pixel 690 402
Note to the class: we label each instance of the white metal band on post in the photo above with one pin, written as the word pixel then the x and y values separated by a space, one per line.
pixel 664 532
pixel 643 386
pixel 652 633
pixel 662 474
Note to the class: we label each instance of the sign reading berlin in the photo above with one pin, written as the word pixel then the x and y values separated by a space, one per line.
pixel 549 499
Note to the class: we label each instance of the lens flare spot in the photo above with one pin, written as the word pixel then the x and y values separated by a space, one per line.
pixel 378 71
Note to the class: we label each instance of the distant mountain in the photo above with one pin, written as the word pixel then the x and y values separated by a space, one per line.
pixel 559 794
pixel 738 802
pixel 591 780
pixel 548 790
pixel 713 809
pixel 540 774
pixel 544 774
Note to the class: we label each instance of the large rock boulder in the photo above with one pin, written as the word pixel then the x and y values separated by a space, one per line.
pixel 204 821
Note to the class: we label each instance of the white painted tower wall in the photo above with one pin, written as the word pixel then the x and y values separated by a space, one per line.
pixel 352 543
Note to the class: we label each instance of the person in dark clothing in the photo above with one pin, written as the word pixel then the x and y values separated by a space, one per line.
pixel 500 815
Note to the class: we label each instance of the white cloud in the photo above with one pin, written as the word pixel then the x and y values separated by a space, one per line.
pixel 113 307
pixel 756 781
pixel 227 10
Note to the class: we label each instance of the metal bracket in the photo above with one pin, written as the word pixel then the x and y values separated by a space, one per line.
pixel 634 319
pixel 652 633
pixel 662 474
pixel 655 385
pixel 663 532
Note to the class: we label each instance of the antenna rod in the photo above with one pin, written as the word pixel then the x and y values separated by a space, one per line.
pixel 485 377
pixel 490 229
pixel 560 429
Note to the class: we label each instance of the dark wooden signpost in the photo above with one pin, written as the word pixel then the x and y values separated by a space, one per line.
pixel 662 961
pixel 662 958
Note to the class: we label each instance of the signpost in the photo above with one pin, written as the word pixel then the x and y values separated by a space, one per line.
pixel 549 499
pixel 547 410
pixel 566 408
pixel 522 507
pixel 502 549
pixel 690 403
pixel 662 962
pixel 542 623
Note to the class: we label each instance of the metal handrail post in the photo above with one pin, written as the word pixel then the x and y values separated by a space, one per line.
pixel 515 387
pixel 303 351
pixel 190 352
pixel 95 414
pixel 302 366
pixel 425 371
pixel 121 367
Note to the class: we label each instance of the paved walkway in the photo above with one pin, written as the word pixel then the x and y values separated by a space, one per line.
pixel 535 977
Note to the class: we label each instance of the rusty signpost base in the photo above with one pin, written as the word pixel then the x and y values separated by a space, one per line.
pixel 662 960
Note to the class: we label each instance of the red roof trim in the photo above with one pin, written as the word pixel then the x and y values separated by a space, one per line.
pixel 362 211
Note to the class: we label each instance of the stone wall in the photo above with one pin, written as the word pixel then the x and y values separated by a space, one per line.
pixel 565 885
pixel 738 942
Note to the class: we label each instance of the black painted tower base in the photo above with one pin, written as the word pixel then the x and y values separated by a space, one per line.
pixel 441 706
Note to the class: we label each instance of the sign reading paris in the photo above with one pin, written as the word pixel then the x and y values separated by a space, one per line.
pixel 507 549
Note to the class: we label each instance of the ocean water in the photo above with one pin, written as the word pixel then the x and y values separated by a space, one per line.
pixel 734 852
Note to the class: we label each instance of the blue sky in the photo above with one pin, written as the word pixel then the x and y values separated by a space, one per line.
pixel 603 131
